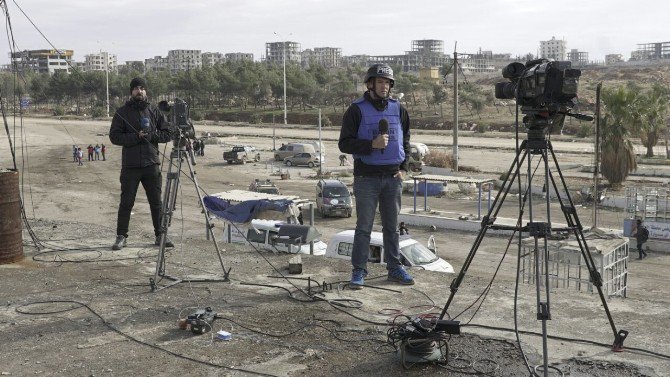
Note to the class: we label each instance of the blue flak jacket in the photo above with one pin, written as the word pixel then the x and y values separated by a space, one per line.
pixel 393 154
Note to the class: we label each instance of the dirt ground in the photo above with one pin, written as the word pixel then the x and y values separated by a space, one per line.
pixel 74 307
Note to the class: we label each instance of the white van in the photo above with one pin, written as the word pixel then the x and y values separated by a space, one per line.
pixel 413 253
pixel 291 149
pixel 262 234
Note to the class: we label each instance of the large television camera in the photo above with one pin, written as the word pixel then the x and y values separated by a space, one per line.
pixel 545 90
pixel 178 116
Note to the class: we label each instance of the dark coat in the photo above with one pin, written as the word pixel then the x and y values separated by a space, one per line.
pixel 124 131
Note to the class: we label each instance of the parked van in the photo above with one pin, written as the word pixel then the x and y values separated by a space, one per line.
pixel 291 149
pixel 416 155
pixel 333 198
pixel 262 233
pixel 412 253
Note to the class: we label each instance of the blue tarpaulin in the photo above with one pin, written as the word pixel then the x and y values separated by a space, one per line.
pixel 244 211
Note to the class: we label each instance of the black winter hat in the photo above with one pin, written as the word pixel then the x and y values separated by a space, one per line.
pixel 137 81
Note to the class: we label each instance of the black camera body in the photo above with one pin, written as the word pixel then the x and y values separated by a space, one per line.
pixel 540 84
pixel 178 115
pixel 545 90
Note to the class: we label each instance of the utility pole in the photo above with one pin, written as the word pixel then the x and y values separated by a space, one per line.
pixel 596 167
pixel 107 80
pixel 284 59
pixel 320 148
pixel 455 127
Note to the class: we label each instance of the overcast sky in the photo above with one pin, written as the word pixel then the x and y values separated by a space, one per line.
pixel 140 29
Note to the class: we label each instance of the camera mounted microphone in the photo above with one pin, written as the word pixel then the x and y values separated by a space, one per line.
pixel 383 129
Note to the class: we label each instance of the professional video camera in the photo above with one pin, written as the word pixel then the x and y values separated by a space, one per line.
pixel 545 90
pixel 180 123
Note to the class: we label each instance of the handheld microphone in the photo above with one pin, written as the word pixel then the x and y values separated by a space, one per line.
pixel 383 129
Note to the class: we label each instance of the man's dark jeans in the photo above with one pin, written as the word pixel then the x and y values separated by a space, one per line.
pixel 151 180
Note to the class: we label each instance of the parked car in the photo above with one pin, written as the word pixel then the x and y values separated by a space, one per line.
pixel 333 198
pixel 309 159
pixel 412 252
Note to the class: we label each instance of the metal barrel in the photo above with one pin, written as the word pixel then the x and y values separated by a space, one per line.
pixel 11 241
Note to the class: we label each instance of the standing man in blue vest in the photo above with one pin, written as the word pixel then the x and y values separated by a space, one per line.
pixel 375 130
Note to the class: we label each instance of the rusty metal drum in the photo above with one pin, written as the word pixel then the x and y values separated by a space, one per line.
pixel 11 241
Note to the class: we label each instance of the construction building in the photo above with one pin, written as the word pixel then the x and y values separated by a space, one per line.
pixel 211 58
pixel 184 60
pixel 651 51
pixel 578 58
pixel 276 52
pixel 611 59
pixel 239 57
pixel 43 61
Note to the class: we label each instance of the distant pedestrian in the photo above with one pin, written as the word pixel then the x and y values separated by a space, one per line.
pixel 202 147
pixel 641 234
pixel 196 147
pixel 102 150
pixel 75 154
pixel 403 229
pixel 80 156
pixel 90 152
pixel 343 160
pixel 97 152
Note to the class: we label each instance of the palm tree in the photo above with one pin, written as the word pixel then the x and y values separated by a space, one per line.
pixel 618 155
pixel 653 109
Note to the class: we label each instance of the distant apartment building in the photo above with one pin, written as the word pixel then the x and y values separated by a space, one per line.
pixel 276 52
pixel 553 49
pixel 239 57
pixel 156 64
pixel 425 53
pixel 484 61
pixel 328 57
pixel 651 51
pixel 100 61
pixel 184 60
pixel 611 59
pixel 211 58
pixel 132 66
pixel 43 61
pixel 578 58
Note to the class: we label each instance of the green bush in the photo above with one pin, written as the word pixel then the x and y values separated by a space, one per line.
pixel 98 112
pixel 256 118
pixel 439 159
pixel 585 130
pixel 482 128
pixel 195 115
pixel 59 110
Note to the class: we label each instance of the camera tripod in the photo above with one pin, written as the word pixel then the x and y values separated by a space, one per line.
pixel 537 144
pixel 178 155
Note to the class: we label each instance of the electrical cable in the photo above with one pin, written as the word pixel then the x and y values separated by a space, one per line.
pixel 20 309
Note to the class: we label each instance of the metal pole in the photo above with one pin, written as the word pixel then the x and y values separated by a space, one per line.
pixel 107 80
pixel 596 170
pixel 320 147
pixel 284 59
pixel 274 127
pixel 455 127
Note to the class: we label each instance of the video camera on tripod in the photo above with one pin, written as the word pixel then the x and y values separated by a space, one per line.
pixel 545 90
pixel 180 123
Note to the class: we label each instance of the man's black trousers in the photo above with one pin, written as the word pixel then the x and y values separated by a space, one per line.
pixel 151 180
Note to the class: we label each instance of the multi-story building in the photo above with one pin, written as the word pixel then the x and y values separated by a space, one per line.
pixel 613 59
pixel 184 60
pixel 156 64
pixel 553 49
pixel 239 57
pixel 100 61
pixel 651 51
pixel 425 53
pixel 578 58
pixel 276 51
pixel 211 58
pixel 328 57
pixel 484 61
pixel 43 61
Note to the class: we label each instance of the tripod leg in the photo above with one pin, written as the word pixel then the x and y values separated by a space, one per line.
pixel 168 205
pixel 487 222
pixel 575 226
pixel 209 225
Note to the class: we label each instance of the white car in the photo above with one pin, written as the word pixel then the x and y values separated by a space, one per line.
pixel 413 253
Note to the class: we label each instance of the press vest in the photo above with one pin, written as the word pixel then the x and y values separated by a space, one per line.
pixel 394 153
